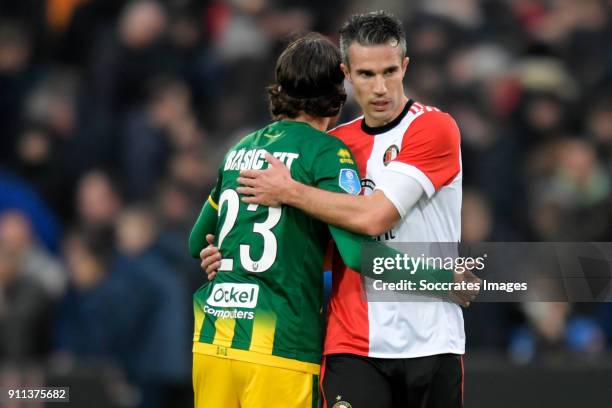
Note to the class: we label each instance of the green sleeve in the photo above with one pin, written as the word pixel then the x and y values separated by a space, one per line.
pixel 205 224
pixel 207 220
pixel 349 246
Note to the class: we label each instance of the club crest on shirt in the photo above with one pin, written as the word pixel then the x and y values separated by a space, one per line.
pixel 390 154
pixel 349 181
pixel 341 404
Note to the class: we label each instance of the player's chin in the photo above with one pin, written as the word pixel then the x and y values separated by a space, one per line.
pixel 381 115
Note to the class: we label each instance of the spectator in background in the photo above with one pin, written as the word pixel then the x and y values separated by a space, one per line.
pixel 17 195
pixel 553 330
pixel 34 161
pixel 98 205
pixel 24 312
pixel 599 129
pixel 128 58
pixel 571 196
pixel 51 110
pixel 173 205
pixel 198 63
pixel 79 131
pixel 35 263
pixel 139 303
pixel 91 293
pixel 489 325
pixel 151 135
pixel 158 352
pixel 16 77
pixel 194 169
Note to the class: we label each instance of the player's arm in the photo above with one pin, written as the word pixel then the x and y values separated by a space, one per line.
pixel 339 177
pixel 370 215
pixel 204 225
pixel 428 159
pixel 350 246
pixel 207 220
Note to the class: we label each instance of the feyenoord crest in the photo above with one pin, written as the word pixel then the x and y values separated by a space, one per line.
pixel 390 154
pixel 341 404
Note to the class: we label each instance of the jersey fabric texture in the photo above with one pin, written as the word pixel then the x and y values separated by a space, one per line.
pixel 268 309
pixel 424 143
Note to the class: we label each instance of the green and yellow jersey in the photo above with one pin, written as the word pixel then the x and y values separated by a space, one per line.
pixel 265 305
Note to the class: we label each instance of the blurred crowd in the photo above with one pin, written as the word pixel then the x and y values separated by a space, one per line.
pixel 116 113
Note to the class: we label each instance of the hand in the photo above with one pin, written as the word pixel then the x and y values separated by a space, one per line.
pixel 465 297
pixel 211 258
pixel 266 187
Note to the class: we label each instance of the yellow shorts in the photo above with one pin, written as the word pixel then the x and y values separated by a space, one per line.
pixel 226 383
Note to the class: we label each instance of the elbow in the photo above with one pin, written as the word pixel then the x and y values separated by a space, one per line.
pixel 194 248
pixel 377 224
pixel 195 254
pixel 375 230
pixel 379 216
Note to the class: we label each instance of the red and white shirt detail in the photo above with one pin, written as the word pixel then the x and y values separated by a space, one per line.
pixel 423 143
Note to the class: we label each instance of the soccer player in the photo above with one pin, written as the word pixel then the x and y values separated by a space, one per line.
pixel 391 354
pixel 258 328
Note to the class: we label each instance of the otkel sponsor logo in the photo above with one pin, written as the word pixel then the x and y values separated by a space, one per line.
pixel 234 295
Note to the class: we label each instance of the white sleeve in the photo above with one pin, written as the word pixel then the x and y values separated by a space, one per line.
pixel 402 190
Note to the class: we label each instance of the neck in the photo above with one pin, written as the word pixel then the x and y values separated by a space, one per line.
pixel 316 122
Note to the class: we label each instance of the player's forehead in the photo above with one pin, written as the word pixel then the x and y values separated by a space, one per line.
pixel 374 57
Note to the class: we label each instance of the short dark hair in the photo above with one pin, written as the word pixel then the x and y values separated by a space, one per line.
pixel 308 79
pixel 375 28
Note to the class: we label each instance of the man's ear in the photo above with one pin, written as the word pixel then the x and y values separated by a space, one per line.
pixel 346 71
pixel 405 65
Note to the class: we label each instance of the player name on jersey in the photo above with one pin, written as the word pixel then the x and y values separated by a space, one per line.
pixel 244 159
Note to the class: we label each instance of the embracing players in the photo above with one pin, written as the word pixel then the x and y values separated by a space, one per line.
pixel 385 354
pixel 258 328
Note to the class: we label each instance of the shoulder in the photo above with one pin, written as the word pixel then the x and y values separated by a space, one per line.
pixel 433 126
pixel 245 140
pixel 315 141
pixel 329 146
pixel 347 130
pixel 432 119
pixel 331 154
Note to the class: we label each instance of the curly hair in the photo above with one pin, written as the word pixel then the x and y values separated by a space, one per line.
pixel 308 79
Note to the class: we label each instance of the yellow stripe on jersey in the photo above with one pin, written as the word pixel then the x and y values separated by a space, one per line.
pixel 256 358
pixel 198 314
pixel 213 204
pixel 224 332
pixel 264 327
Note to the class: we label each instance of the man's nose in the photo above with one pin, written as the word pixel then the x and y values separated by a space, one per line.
pixel 380 87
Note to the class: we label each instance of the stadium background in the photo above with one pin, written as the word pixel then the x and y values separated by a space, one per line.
pixel 114 115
